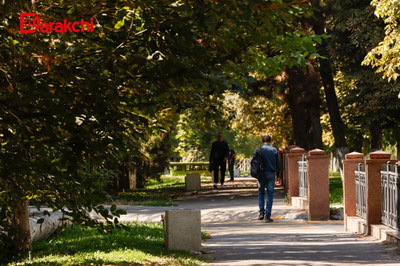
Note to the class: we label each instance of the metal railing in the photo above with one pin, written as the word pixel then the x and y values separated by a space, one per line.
pixel 243 164
pixel 361 191
pixel 390 195
pixel 303 187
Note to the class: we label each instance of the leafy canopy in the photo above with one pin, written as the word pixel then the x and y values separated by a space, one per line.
pixel 71 103
pixel 386 55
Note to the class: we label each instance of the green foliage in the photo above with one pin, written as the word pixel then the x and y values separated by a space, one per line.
pixel 367 102
pixel 74 105
pixel 242 120
pixel 155 153
pixel 385 56
pixel 286 199
pixel 142 244
pixel 244 144
pixel 196 130
pixel 256 116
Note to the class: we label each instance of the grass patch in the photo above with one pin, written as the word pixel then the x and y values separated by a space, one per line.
pixel 286 199
pixel 143 244
pixel 156 193
pixel 205 235
pixel 335 188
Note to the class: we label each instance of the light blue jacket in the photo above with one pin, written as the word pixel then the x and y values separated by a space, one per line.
pixel 271 158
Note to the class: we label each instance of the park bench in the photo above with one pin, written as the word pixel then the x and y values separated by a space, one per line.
pixel 184 168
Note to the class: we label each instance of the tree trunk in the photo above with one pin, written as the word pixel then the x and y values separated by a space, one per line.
pixel 315 119
pixel 304 103
pixel 141 170
pixel 123 177
pixel 329 87
pixel 398 147
pixel 132 179
pixel 376 137
pixel 20 223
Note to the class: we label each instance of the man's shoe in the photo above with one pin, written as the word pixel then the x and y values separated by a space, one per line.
pixel 268 220
pixel 222 186
pixel 215 186
pixel 261 216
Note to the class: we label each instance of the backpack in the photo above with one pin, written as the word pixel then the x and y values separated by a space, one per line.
pixel 257 165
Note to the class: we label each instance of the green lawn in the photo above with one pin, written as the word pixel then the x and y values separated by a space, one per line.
pixel 142 244
pixel 156 193
pixel 335 188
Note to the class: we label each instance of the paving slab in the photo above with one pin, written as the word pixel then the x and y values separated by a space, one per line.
pixel 289 240
pixel 291 243
pixel 237 202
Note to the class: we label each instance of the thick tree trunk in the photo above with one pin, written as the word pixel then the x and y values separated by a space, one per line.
pixel 315 119
pixel 20 223
pixel 132 179
pixel 398 146
pixel 327 80
pixel 123 177
pixel 304 103
pixel 141 170
pixel 376 137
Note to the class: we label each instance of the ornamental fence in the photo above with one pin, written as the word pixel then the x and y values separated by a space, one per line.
pixel 303 187
pixel 243 165
pixel 390 195
pixel 361 192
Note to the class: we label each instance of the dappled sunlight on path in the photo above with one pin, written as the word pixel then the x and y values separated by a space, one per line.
pixel 237 237
pixel 236 202
pixel 294 244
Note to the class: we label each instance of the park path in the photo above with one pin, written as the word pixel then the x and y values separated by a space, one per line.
pixel 237 202
pixel 238 238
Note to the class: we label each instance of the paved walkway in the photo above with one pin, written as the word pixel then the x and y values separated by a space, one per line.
pixel 237 202
pixel 238 238
pixel 294 244
pixel 289 240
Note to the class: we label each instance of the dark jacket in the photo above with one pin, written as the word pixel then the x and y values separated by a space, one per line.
pixel 232 156
pixel 271 158
pixel 219 151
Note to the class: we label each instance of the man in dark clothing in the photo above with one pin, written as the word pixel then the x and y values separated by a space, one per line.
pixel 231 163
pixel 271 165
pixel 218 157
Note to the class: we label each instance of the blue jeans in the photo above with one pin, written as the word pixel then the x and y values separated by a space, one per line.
pixel 267 182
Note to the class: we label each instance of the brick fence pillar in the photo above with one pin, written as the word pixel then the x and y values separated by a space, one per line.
pixel 374 190
pixel 349 184
pixel 293 171
pixel 318 185
pixel 284 169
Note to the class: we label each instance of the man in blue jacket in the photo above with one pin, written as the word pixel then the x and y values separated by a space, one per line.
pixel 271 165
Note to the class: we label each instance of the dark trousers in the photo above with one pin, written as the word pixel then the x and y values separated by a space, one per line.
pixel 231 164
pixel 219 165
